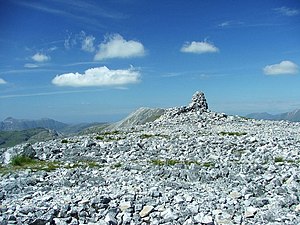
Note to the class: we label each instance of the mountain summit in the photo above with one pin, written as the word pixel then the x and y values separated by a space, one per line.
pixel 188 166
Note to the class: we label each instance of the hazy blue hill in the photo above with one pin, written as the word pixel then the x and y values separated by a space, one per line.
pixel 261 116
pixel 12 124
pixel 12 138
pixel 290 116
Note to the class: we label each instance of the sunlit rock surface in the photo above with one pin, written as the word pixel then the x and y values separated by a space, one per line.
pixel 189 166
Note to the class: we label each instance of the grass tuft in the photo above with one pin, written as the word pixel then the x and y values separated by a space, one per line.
pixel 21 160
pixel 223 133
pixel 279 159
pixel 173 162
pixel 117 165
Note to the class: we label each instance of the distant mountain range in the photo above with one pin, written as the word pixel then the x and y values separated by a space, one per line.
pixel 12 124
pixel 293 116
pixel 15 131
pixel 12 138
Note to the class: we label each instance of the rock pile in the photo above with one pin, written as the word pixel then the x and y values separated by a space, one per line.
pixel 188 168
pixel 197 105
pixel 198 102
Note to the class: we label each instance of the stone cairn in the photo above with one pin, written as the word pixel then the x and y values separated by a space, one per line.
pixel 198 105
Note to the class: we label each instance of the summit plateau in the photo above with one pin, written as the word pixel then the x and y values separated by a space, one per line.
pixel 183 165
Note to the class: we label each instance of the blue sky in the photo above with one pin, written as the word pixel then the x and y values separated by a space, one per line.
pixel 82 61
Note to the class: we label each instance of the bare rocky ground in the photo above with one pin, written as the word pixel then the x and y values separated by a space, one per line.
pixel 190 166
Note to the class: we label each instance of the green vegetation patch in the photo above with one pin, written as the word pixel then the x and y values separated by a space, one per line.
pixel 109 136
pixel 172 162
pixel 146 136
pixel 117 165
pixel 208 164
pixel 20 162
pixel 100 138
pixel 114 132
pixel 64 141
pixel 223 133
pixel 82 164
pixel 279 159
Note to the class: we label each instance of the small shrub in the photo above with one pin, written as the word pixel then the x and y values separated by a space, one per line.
pixel 64 141
pixel 117 165
pixel 145 136
pixel 172 162
pixel 21 160
pixel 233 133
pixel 290 161
pixel 279 159
pixel 208 164
pixel 100 138
pixel 50 166
pixel 92 164
pixel 157 162
pixel 111 132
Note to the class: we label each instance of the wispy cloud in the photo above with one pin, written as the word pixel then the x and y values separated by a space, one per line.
pixel 88 44
pixel 230 23
pixel 240 24
pixel 77 9
pixel 199 47
pixel 31 65
pixel 100 76
pixel 47 93
pixel 287 11
pixel 82 63
pixel 115 46
pixel 39 57
pixel 28 70
pixel 85 41
pixel 284 67
pixel 2 81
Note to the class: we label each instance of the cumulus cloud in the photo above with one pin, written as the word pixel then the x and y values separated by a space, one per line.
pixel 199 47
pixel 99 76
pixel 39 57
pixel 2 81
pixel 115 46
pixel 88 43
pixel 287 11
pixel 284 67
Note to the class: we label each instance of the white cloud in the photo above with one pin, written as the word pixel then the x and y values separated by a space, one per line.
pixel 284 67
pixel 116 47
pixel 30 65
pixel 88 43
pixel 100 76
pixel 287 11
pixel 39 57
pixel 225 24
pixel 2 81
pixel 199 47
